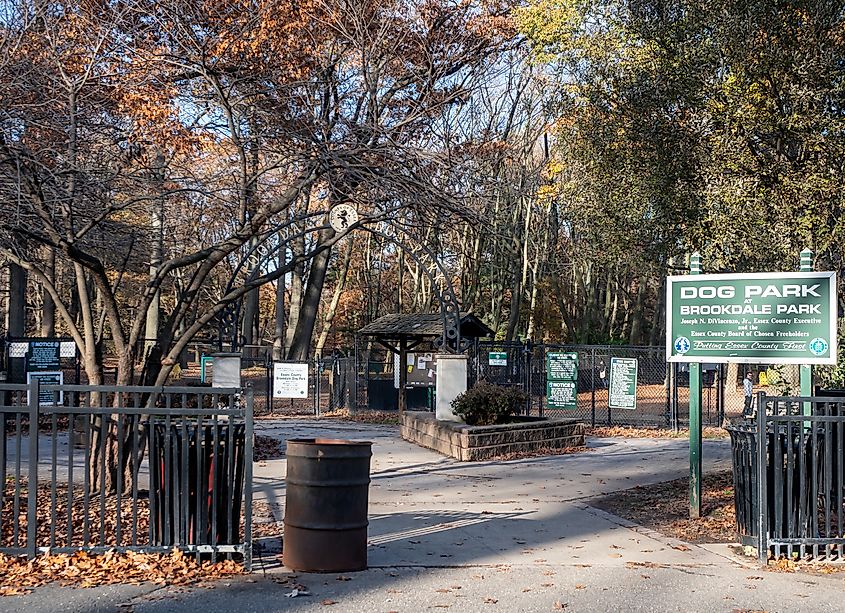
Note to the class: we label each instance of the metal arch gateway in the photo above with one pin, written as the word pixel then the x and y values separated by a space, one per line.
pixel 450 341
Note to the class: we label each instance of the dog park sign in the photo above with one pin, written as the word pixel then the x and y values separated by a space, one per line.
pixel 762 318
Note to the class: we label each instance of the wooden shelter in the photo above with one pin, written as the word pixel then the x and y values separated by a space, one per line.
pixel 400 333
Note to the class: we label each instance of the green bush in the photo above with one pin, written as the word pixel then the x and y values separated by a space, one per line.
pixel 486 404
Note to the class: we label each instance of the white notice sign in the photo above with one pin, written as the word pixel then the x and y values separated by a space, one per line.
pixel 290 380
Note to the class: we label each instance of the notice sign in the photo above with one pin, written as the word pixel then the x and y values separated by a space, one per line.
pixel 43 356
pixel 290 380
pixel 47 398
pixel 561 380
pixel 497 358
pixel 561 366
pixel 561 395
pixel 623 383
pixel 768 318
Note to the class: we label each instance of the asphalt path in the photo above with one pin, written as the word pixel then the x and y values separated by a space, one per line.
pixel 518 535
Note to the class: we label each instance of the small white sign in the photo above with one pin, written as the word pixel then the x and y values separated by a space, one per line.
pixel 290 380
pixel 67 349
pixel 18 349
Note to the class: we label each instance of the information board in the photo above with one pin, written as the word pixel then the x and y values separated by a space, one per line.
pixel 43 356
pixel 561 395
pixel 561 380
pixel 290 380
pixel 47 398
pixel 561 366
pixel 622 393
pixel 420 370
pixel 768 318
pixel 497 358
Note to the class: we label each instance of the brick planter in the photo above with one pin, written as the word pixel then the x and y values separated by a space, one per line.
pixel 468 443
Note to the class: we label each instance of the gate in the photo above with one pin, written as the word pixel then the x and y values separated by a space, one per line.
pixel 797 497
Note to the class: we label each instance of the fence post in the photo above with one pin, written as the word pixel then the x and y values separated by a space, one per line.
pixel 593 388
pixel 676 403
pixel 317 390
pixel 353 405
pixel 762 520
pixel 268 366
pixel 32 485
pixel 527 379
pixel 248 433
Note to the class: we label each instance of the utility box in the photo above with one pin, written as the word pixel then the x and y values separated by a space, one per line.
pixel 226 370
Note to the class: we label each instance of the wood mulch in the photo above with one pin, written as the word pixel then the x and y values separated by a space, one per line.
pixel 631 432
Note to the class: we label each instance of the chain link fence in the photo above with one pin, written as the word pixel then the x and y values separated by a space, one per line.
pixel 365 380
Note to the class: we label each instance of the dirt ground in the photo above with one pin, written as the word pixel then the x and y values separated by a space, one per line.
pixel 664 507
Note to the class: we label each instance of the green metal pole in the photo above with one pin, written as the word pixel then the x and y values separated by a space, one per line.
pixel 695 419
pixel 805 371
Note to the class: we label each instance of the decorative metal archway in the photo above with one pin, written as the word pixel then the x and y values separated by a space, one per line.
pixel 450 340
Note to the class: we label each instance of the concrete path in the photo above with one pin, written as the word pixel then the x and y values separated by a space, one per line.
pixel 488 536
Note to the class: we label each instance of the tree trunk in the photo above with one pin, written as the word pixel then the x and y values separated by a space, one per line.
pixel 340 285
pixel 279 320
pixel 48 307
pixel 156 254
pixel 296 288
pixel 301 345
pixel 16 312
pixel 637 316
pixel 249 322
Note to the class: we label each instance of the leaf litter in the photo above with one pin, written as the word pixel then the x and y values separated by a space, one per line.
pixel 81 569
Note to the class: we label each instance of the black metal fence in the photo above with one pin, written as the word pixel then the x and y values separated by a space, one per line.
pixel 797 467
pixel 127 468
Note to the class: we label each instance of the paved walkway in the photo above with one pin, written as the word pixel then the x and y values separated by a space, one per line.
pixel 488 536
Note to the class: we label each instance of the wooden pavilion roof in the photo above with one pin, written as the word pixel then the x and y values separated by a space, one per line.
pixel 421 326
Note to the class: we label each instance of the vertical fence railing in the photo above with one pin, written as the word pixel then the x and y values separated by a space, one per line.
pixel 799 478
pixel 144 469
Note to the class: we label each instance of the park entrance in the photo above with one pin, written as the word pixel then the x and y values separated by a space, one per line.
pixel 787 450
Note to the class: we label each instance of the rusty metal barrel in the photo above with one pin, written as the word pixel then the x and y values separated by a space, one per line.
pixel 327 490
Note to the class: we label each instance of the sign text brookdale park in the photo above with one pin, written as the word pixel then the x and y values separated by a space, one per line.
pixel 771 318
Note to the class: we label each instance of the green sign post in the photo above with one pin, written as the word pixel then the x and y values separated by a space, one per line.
pixel 623 383
pixel 759 318
pixel 561 380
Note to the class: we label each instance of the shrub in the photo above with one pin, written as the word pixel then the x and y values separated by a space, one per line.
pixel 486 404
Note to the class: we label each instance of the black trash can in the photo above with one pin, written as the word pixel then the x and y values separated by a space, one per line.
pixel 196 483
pixel 784 515
pixel 326 500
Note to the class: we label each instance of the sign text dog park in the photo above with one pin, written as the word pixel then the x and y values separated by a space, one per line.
pixel 773 318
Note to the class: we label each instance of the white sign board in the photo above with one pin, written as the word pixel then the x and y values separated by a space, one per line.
pixel 47 398
pixel 290 380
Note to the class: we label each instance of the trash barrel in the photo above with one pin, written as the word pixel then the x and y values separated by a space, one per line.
pixel 787 510
pixel 327 488
pixel 196 483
